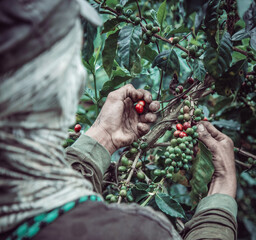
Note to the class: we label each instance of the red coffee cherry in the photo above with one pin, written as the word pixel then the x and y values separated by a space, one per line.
pixel 77 128
pixel 183 134
pixel 139 108
pixel 141 102
pixel 190 80
pixel 180 88
pixel 205 119
pixel 186 125
pixel 179 127
pixel 176 133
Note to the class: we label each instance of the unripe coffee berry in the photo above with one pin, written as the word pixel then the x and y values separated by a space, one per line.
pixel 186 109
pixel 123 193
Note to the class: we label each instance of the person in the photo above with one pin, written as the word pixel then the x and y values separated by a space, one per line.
pixel 42 196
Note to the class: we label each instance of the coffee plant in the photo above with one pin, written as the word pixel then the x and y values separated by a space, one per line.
pixel 198 58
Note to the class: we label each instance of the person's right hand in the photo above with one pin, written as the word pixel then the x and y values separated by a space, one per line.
pixel 222 149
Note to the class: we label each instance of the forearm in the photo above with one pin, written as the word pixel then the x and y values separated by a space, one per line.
pixel 215 218
pixel 224 185
pixel 89 158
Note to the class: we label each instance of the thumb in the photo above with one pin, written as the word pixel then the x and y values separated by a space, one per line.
pixel 205 137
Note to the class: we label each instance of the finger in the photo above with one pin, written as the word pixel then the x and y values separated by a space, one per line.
pixel 143 128
pixel 154 106
pixel 125 92
pixel 148 117
pixel 219 136
pixel 146 95
pixel 206 137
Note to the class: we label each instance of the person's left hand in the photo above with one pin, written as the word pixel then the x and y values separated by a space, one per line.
pixel 118 123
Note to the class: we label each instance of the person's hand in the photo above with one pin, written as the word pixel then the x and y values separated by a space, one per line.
pixel 118 123
pixel 222 149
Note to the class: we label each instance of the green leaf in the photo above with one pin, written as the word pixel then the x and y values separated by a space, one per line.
pixel 128 44
pixel 253 38
pixel 167 61
pixel 202 171
pixel 90 65
pixel 232 78
pixel 200 15
pixel 147 53
pixel 181 29
pixel 161 14
pixel 217 61
pixel 90 34
pixel 119 76
pixel 242 6
pixel 110 24
pixel 211 21
pixel 109 52
pixel 169 205
pixel 250 17
pixel 241 34
pixel 193 5
pixel 141 186
pixel 199 70
pixel 228 124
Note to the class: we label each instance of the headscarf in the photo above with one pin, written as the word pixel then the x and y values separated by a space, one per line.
pixel 37 105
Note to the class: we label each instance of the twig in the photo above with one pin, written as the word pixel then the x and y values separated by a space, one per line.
pixel 243 164
pixel 138 6
pixel 133 167
pixel 243 52
pixel 242 152
pixel 160 85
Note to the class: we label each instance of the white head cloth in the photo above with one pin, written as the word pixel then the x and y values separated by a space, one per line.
pixel 37 105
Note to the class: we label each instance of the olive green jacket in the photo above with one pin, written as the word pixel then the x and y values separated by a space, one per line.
pixel 215 216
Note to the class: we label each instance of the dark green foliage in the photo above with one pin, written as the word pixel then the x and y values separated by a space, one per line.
pixel 175 41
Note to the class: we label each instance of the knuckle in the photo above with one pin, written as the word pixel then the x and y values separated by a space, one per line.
pixel 229 142
pixel 111 95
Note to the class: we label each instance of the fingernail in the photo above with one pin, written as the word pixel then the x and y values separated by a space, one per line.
pixel 200 128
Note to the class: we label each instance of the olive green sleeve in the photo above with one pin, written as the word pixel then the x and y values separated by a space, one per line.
pixel 89 158
pixel 215 218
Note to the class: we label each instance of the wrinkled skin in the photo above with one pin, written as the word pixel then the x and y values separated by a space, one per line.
pixel 118 123
pixel 222 149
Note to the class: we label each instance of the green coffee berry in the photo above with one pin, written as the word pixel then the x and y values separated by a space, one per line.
pixel 149 26
pixel 197 112
pixel 122 168
pixel 123 193
pixel 140 175
pixel 168 175
pixel 157 172
pixel 125 161
pixel 168 161
pixel 174 142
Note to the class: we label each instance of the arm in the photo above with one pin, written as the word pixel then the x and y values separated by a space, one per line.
pixel 117 125
pixel 215 216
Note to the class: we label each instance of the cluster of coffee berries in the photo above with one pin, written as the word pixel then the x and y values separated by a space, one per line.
pixel 193 51
pixel 179 155
pixel 148 36
pixel 124 15
pixel 185 113
pixel 124 192
pixel 251 161
pixel 126 160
